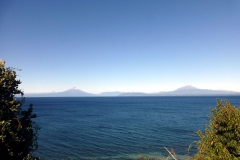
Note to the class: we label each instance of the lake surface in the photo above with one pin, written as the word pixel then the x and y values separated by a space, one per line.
pixel 119 128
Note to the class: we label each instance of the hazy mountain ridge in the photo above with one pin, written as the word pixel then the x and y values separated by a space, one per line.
pixel 183 91
pixel 73 92
pixel 109 94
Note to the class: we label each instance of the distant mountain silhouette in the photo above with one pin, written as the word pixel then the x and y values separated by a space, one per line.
pixel 134 94
pixel 183 91
pixel 187 91
pixel 73 92
pixel 110 94
pixel 188 87
pixel 193 91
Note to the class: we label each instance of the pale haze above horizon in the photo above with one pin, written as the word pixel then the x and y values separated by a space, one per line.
pixel 126 45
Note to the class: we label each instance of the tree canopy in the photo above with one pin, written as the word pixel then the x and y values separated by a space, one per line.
pixel 221 138
pixel 18 132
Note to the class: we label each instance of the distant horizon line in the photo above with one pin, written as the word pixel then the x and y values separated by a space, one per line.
pixel 187 87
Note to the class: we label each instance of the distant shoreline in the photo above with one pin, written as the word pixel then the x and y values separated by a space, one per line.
pixel 183 91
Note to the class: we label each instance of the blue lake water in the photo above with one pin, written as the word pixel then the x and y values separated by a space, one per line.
pixel 119 127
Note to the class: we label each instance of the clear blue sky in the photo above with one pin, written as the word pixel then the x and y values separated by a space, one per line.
pixel 122 45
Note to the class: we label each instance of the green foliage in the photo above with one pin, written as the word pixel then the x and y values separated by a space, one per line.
pixel 18 133
pixel 221 139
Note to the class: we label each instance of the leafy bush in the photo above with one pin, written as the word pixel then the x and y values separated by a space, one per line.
pixel 18 133
pixel 221 139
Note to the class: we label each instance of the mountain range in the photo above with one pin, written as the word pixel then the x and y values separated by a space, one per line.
pixel 183 91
